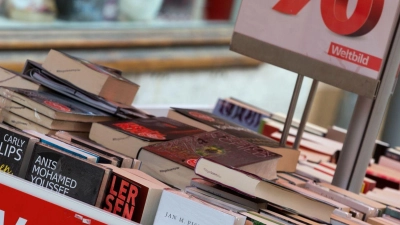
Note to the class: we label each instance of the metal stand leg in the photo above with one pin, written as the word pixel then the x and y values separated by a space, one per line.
pixel 364 128
pixel 292 108
pixel 306 113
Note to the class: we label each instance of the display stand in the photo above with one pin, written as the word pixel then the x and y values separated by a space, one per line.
pixel 316 44
pixel 365 124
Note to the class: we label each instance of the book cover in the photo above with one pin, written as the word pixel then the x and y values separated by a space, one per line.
pixel 228 127
pixel 65 174
pixel 39 74
pixel 52 101
pixel 125 198
pixel 12 79
pixel 15 151
pixel 131 196
pixel 238 114
pixel 219 146
pixel 97 80
pixel 24 203
pixel 177 208
pixel 153 129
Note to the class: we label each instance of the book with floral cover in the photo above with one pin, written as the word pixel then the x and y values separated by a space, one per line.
pixel 173 162
pixel 209 122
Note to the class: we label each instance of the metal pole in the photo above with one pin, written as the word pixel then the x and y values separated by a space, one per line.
pixel 306 113
pixel 292 108
pixel 364 128
pixel 351 146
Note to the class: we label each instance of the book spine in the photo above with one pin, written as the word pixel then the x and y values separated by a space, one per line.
pixel 393 156
pixel 392 213
pixel 238 115
pixel 103 188
pixel 27 157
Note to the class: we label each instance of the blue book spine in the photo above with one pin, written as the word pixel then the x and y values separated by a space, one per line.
pixel 238 115
pixel 69 151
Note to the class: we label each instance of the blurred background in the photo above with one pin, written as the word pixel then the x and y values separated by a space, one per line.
pixel 176 50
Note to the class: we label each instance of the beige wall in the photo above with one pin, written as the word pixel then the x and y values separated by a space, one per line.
pixel 326 105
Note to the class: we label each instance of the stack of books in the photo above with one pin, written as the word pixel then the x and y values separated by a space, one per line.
pixel 75 150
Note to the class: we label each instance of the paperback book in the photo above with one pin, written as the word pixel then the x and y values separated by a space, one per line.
pixel 39 74
pixel 131 196
pixel 53 105
pixel 67 174
pixel 81 153
pixel 12 79
pixel 240 113
pixel 209 122
pixel 93 78
pixel 173 162
pixel 21 123
pixel 15 150
pixel 125 161
pixel 127 137
pixel 317 206
pixel 177 208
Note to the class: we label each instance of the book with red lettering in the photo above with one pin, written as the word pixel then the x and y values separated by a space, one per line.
pixel 132 197
pixel 24 203
pixel 209 122
pixel 173 162
pixel 128 136
pixel 51 105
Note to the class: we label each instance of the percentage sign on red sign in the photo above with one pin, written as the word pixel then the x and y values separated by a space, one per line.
pixel 334 14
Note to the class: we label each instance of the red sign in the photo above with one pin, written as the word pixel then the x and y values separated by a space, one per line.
pixel 334 14
pixel 18 208
pixel 353 35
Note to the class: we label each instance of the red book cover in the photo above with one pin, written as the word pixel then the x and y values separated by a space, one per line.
pixel 154 129
pixel 217 145
pixel 125 198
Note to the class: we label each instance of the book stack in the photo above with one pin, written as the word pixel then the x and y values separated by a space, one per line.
pixel 80 153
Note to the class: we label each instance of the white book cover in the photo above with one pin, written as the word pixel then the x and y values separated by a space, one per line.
pixel 177 208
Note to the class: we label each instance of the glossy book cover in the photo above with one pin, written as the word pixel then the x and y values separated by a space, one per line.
pixel 228 127
pixel 239 115
pixel 217 145
pixel 13 148
pixel 59 103
pixel 125 198
pixel 154 129
pixel 65 174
